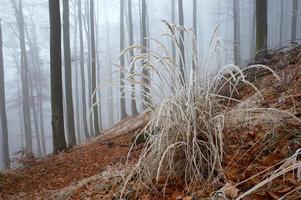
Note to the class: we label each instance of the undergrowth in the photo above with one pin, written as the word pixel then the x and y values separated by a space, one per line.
pixel 190 112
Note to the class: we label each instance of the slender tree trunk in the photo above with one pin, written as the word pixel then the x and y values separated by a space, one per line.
pixel 194 56
pixel 4 128
pixel 253 31
pixel 24 75
pixel 89 71
pixel 294 20
pixel 236 20
pixel 93 67
pixel 181 42
pixel 261 29
pixel 68 76
pixel 98 67
pixel 35 118
pixel 145 72
pixel 111 100
pixel 82 70
pixel 131 42
pixel 122 77
pixel 281 22
pixel 59 142
pixel 76 89
pixel 173 21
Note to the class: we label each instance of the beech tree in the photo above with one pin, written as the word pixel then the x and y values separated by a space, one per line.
pixel 122 81
pixel 181 41
pixel 236 20
pixel 294 20
pixel 58 133
pixel 82 71
pixel 261 29
pixel 131 42
pixel 68 76
pixel 4 128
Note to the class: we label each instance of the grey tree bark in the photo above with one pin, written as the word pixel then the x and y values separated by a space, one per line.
pixel 145 72
pixel 173 21
pixel 76 75
pixel 24 75
pixel 281 22
pixel 236 20
pixel 294 20
pixel 89 71
pixel 82 71
pixel 261 29
pixel 68 76
pixel 58 134
pixel 181 42
pixel 4 128
pixel 93 67
pixel 122 77
pixel 131 42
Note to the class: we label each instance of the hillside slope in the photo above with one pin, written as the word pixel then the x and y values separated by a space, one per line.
pixel 95 169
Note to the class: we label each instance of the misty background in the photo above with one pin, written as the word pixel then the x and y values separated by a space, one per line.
pixel 214 19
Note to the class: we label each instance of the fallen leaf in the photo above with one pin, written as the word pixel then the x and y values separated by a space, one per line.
pixel 231 191
pixel 187 198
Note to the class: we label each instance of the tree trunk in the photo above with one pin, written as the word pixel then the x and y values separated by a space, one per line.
pixel 261 29
pixel 236 20
pixel 281 23
pixel 89 71
pixel 173 21
pixel 145 72
pixel 131 42
pixel 82 70
pixel 5 148
pixel 59 142
pixel 122 78
pixel 294 20
pixel 181 42
pixel 93 67
pixel 68 76
pixel 76 89
pixel 24 75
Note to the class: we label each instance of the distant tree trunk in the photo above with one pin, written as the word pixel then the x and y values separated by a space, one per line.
pixel 281 22
pixel 98 66
pixel 4 130
pixel 76 74
pixel 194 16
pixel 58 134
pixel 82 70
pixel 93 67
pixel 68 76
pixel 294 20
pixel 131 42
pixel 146 97
pixel 35 118
pixel 261 29
pixel 173 21
pixel 253 31
pixel 122 78
pixel 181 42
pixel 110 92
pixel 89 71
pixel 24 75
pixel 236 20
pixel 194 21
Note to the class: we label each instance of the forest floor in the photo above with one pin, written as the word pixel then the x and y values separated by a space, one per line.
pixel 96 169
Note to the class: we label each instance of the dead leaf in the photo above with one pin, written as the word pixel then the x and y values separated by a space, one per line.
pixel 231 191
pixel 187 198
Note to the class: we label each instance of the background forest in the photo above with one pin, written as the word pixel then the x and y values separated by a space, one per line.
pixel 94 33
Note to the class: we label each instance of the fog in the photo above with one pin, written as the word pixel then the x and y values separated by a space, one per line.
pixel 214 20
